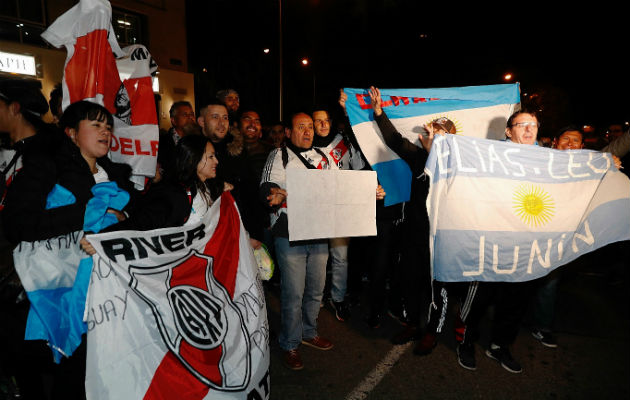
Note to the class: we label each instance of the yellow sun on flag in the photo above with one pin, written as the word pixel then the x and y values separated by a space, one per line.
pixel 448 123
pixel 533 205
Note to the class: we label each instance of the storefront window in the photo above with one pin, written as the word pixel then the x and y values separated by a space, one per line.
pixel 22 21
pixel 128 27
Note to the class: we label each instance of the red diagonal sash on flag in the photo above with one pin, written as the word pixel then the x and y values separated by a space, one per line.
pixel 172 379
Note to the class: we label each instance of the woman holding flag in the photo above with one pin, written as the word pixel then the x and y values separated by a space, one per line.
pixel 47 199
pixel 78 163
pixel 184 195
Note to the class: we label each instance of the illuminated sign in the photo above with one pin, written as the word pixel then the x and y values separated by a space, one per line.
pixel 17 64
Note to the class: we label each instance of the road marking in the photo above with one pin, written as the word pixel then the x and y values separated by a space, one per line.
pixel 380 370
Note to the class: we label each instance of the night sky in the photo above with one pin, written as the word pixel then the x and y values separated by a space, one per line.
pixel 572 59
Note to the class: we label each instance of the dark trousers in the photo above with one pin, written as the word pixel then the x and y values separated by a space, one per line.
pixel 30 362
pixel 444 294
pixel 415 271
pixel 510 300
pixel 384 265
pixel 544 301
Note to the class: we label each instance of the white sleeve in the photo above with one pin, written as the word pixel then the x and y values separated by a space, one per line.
pixel 274 171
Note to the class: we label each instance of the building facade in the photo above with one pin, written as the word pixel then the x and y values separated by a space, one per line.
pixel 160 25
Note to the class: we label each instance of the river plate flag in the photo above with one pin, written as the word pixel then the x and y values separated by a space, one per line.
pixel 479 111
pixel 93 69
pixel 501 211
pixel 178 313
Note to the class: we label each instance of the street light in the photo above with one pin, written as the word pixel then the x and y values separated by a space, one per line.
pixel 280 83
pixel 266 51
pixel 508 77
pixel 305 61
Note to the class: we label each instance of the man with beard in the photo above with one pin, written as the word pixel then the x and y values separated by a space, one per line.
pixel 231 100
pixel 234 167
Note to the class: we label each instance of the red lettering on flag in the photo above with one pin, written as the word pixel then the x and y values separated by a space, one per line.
pixel 361 99
pixel 139 149
pixel 126 146
pixel 397 99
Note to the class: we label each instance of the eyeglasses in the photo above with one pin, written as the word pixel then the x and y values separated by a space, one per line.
pixel 526 124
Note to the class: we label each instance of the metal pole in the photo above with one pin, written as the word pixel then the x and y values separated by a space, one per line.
pixel 280 54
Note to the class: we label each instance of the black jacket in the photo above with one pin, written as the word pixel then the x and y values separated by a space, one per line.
pixel 164 205
pixel 416 158
pixel 25 217
pixel 235 167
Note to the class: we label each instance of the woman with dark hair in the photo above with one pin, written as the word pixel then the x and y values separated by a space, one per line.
pixel 184 195
pixel 77 163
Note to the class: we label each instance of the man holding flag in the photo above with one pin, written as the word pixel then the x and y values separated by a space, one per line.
pixel 509 298
pixel 503 215
pixel 415 255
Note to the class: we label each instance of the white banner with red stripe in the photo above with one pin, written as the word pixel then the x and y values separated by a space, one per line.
pixel 92 72
pixel 178 313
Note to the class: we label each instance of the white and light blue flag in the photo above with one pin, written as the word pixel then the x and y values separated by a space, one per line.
pixel 480 111
pixel 501 211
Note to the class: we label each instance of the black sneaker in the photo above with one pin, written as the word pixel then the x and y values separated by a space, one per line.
pixel 545 338
pixel 466 356
pixel 342 312
pixel 503 356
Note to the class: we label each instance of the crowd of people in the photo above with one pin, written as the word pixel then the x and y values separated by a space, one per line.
pixel 223 147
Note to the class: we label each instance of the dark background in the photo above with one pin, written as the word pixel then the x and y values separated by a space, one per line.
pixel 570 62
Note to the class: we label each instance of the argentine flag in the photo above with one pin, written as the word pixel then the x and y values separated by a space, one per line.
pixel 479 111
pixel 501 211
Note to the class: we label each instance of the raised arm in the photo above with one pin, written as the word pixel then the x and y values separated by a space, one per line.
pixel 409 152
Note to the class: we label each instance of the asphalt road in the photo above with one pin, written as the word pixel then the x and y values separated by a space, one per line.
pixel 592 360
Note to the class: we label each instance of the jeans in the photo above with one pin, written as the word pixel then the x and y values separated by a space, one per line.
pixel 339 267
pixel 302 278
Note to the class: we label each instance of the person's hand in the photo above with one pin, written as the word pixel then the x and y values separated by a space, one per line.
pixel 276 196
pixel 617 161
pixel 342 99
pixel 380 192
pixel 427 141
pixel 227 187
pixel 375 98
pixel 87 246
pixel 255 243
pixel 118 214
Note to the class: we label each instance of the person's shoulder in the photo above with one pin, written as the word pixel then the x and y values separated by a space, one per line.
pixel 274 152
pixel 45 141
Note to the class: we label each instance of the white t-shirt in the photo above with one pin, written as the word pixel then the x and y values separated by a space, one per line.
pixel 198 210
pixel 100 176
